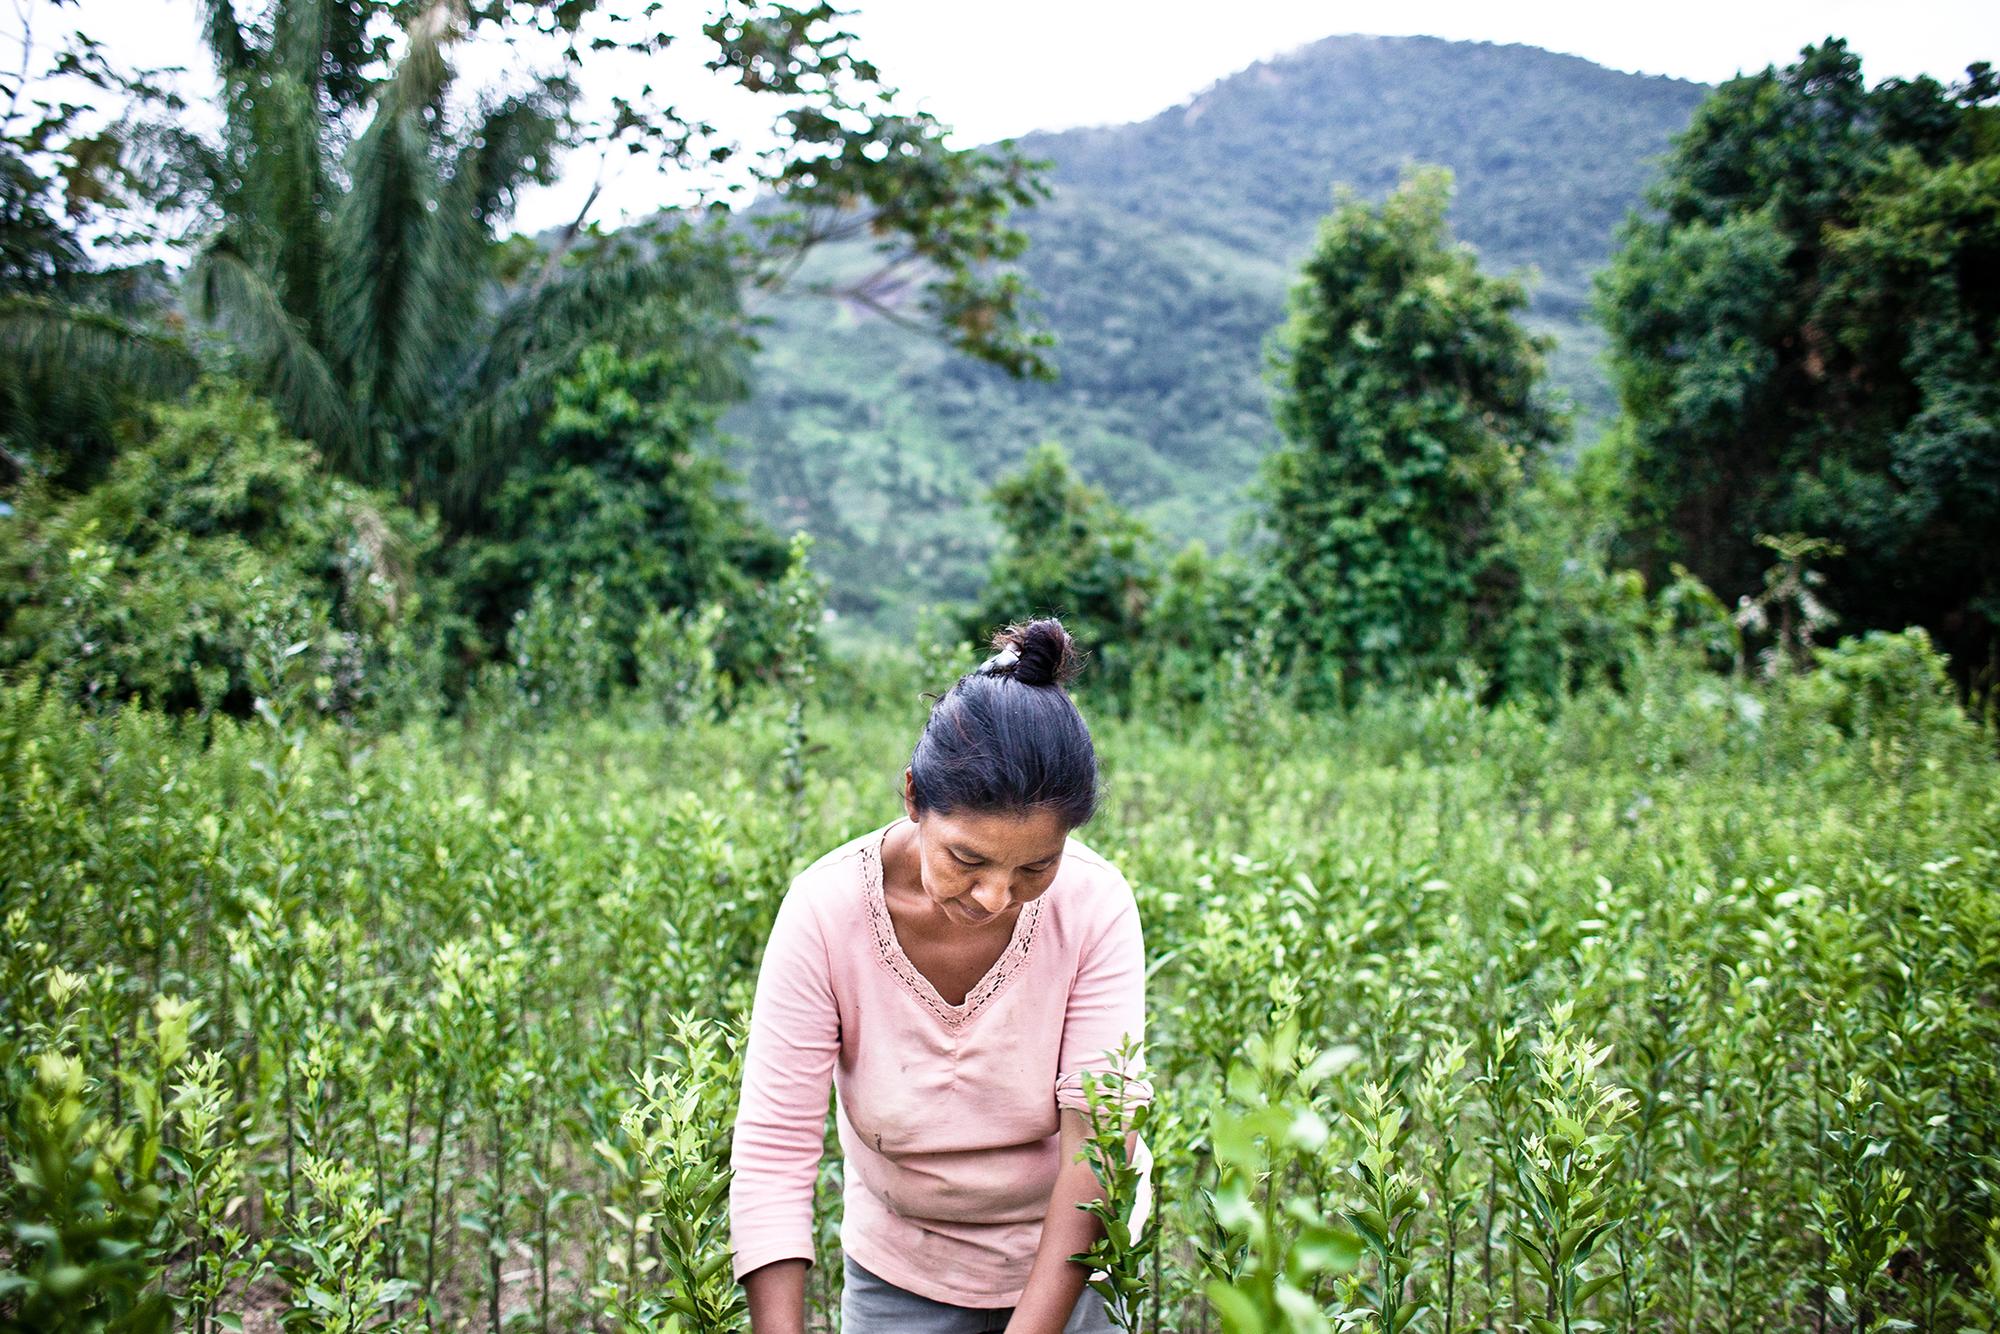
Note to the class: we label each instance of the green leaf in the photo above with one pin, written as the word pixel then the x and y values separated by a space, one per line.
pixel 1238 1311
pixel 1591 1287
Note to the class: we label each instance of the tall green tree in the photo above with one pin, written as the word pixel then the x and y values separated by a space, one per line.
pixel 80 342
pixel 358 207
pixel 1408 397
pixel 1804 339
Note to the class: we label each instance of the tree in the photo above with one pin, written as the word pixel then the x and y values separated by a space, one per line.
pixel 1804 341
pixel 1069 551
pixel 623 490
pixel 215 547
pixel 1407 395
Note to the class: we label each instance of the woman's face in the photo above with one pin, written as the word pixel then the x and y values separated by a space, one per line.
pixel 977 867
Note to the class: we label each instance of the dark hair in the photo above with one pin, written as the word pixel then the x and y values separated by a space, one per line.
pixel 1007 737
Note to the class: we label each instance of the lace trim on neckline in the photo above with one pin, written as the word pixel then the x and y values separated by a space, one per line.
pixel 892 956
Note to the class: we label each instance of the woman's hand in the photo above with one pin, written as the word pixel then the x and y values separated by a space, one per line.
pixel 1055 1282
pixel 777 1293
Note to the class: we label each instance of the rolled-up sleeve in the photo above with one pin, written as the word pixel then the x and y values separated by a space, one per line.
pixel 781 1115
pixel 1107 1004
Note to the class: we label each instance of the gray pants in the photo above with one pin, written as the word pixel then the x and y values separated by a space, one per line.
pixel 871 1305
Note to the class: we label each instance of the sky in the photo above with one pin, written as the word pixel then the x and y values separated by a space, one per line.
pixel 992 69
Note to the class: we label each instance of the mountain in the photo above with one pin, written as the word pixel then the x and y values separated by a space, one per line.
pixel 1163 260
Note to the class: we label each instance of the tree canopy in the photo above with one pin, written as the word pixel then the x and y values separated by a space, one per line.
pixel 1408 398
pixel 1805 341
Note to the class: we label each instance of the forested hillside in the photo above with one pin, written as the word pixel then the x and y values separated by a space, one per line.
pixel 1163 260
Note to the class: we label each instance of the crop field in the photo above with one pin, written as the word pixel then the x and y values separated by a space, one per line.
pixel 1669 1009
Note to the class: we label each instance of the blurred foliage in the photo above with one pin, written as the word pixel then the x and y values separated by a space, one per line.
pixel 1200 627
pixel 80 342
pixel 1571 617
pixel 1804 342
pixel 1882 684
pixel 1073 554
pixel 1409 398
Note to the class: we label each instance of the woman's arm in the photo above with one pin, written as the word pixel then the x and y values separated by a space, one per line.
pixel 781 1119
pixel 1056 1281
pixel 777 1293
pixel 1107 1005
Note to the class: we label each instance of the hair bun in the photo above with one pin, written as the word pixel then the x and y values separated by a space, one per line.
pixel 1036 653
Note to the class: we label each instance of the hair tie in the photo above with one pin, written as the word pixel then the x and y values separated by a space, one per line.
pixel 1002 661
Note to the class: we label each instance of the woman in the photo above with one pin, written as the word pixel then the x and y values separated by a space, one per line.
pixel 952 974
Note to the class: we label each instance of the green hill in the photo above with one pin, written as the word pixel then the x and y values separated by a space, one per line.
pixel 1163 261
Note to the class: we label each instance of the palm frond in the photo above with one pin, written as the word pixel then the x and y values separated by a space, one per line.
pixel 403 295
pixel 41 336
pixel 510 145
pixel 476 450
pixel 270 177
pixel 586 298
pixel 398 306
pixel 66 374
pixel 424 73
pixel 225 37
pixel 325 46
pixel 298 40
pixel 287 171
pixel 229 291
pixel 637 305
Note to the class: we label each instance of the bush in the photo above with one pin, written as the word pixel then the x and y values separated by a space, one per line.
pixel 1884 685
pixel 1069 551
pixel 1205 612
pixel 1571 619
pixel 217 562
pixel 676 661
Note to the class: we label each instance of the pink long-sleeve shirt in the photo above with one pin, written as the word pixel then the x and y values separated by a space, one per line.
pixel 947 1114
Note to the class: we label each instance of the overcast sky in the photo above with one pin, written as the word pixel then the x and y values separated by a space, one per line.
pixel 993 69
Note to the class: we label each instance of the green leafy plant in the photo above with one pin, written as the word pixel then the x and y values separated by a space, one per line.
pixel 88 1211
pixel 1260 1137
pixel 1118 1121
pixel 1858 1213
pixel 1564 1169
pixel 1567 943
pixel 677 1134
pixel 1386 1215
pixel 218 1254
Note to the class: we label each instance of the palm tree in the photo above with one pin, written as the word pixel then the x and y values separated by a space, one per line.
pixel 355 271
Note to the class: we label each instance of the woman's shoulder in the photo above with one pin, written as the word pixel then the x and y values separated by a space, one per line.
pixel 837 870
pixel 1103 885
